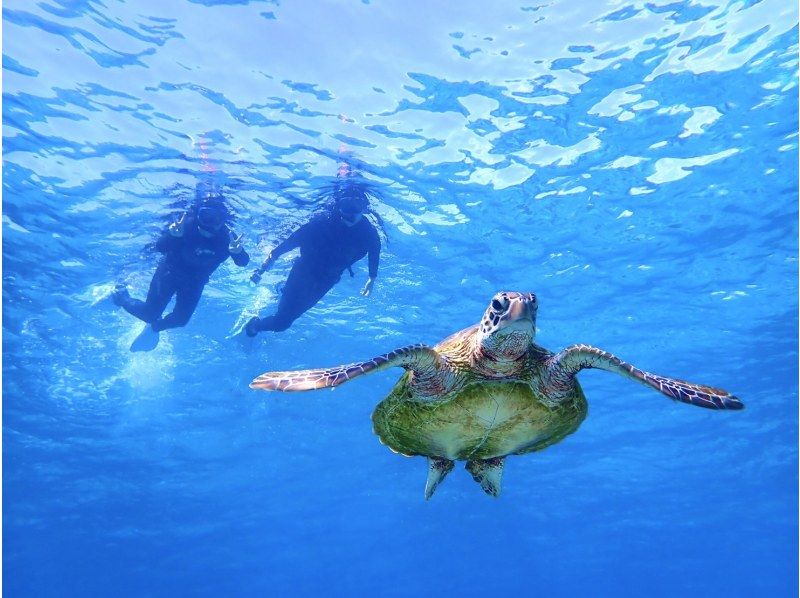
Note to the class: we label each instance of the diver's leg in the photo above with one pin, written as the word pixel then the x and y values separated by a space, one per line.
pixel 186 299
pixel 298 298
pixel 162 287
pixel 303 289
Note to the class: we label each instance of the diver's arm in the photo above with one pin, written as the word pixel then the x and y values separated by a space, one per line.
pixel 241 259
pixel 165 241
pixel 373 258
pixel 236 251
pixel 169 237
pixel 292 242
pixel 374 254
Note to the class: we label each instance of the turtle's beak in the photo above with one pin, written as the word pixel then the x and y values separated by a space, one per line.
pixel 519 311
pixel 522 310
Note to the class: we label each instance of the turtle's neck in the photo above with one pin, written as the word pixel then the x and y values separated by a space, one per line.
pixel 493 365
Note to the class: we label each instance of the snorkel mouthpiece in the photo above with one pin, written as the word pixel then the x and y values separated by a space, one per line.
pixel 351 208
pixel 211 217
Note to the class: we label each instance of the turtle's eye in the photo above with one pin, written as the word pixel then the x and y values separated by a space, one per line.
pixel 499 305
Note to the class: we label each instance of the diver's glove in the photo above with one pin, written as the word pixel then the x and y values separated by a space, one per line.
pixel 234 243
pixel 256 277
pixel 176 228
pixel 368 287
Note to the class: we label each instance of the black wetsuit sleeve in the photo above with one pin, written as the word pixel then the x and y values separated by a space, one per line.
pixel 166 242
pixel 374 253
pixel 240 259
pixel 292 242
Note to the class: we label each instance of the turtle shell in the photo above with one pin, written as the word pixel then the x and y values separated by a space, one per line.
pixel 485 419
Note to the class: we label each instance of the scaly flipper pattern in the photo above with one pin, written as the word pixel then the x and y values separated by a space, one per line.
pixel 421 359
pixel 438 468
pixel 563 366
pixel 488 473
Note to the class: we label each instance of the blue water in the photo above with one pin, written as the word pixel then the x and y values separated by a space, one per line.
pixel 632 163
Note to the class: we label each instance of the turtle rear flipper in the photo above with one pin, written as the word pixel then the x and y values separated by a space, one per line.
pixel 438 468
pixel 488 473
pixel 421 359
pixel 563 367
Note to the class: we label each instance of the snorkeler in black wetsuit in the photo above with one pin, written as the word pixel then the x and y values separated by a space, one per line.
pixel 329 244
pixel 193 248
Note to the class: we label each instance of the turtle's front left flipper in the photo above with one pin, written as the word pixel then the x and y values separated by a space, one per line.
pixel 420 359
pixel 563 366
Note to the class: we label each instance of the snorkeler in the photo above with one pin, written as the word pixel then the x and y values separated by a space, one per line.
pixel 330 243
pixel 193 248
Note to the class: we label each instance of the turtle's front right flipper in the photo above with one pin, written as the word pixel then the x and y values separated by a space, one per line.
pixel 422 360
pixel 563 367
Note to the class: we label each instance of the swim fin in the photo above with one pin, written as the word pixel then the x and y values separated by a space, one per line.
pixel 146 341
pixel 120 295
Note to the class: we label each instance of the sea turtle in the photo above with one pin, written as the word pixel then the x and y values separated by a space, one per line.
pixel 486 392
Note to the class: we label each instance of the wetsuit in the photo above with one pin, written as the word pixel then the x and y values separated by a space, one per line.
pixel 189 260
pixel 327 248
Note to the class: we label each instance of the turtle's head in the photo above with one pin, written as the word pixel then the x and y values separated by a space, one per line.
pixel 508 326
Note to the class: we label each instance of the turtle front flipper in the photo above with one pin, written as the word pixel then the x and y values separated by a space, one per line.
pixel 562 367
pixel 422 360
